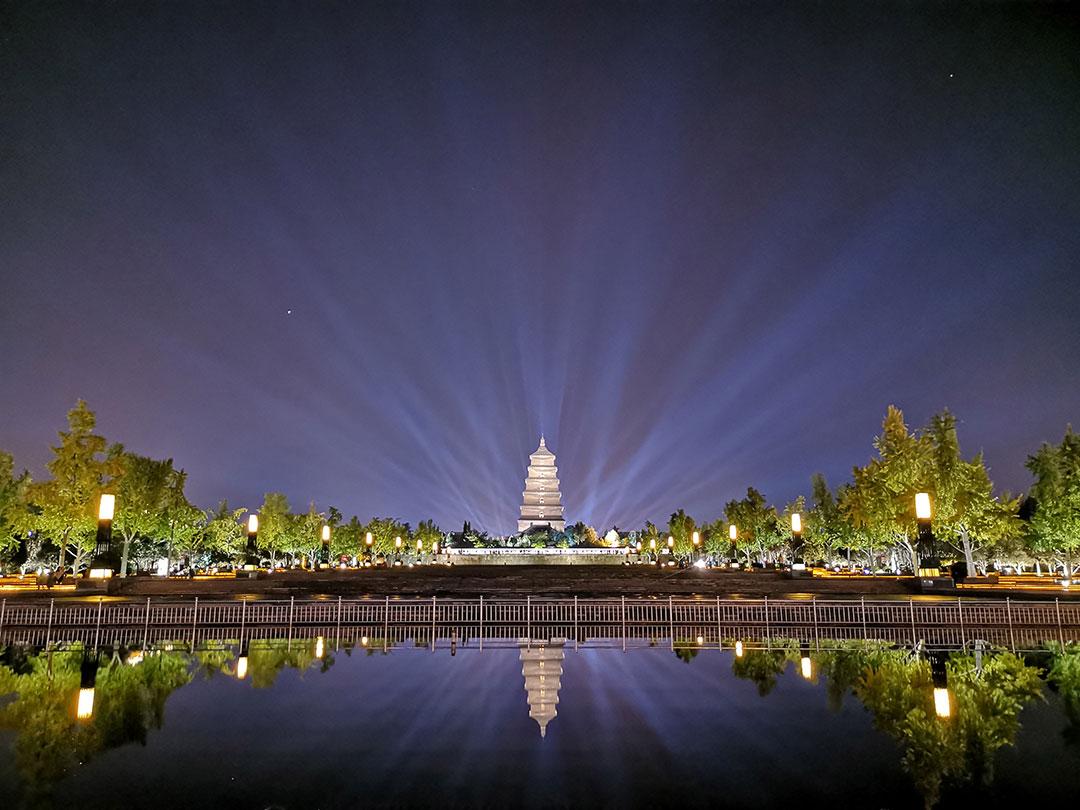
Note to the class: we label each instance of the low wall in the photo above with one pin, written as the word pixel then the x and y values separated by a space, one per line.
pixel 535 556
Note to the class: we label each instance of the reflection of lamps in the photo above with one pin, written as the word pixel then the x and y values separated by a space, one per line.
pixel 242 661
pixel 102 566
pixel 700 640
pixel 84 707
pixel 806 665
pixel 929 564
pixel 939 676
pixel 738 648
pixel 320 647
pixel 797 563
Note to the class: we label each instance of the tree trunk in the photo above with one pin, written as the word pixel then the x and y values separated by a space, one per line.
pixel 124 557
pixel 969 558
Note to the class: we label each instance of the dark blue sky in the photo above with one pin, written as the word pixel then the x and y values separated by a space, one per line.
pixel 699 246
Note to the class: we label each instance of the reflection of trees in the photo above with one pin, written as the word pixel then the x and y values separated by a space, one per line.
pixel 762 667
pixel 1064 676
pixel 267 658
pixel 129 700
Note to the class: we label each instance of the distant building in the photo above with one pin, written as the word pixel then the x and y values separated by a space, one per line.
pixel 542 504
pixel 542 667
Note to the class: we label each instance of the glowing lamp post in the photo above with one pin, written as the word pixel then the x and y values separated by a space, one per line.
pixel 242 662
pixel 326 545
pixel 397 551
pixel 940 678
pixel 320 647
pixel 806 666
pixel 368 539
pixel 929 563
pixel 84 707
pixel 435 548
pixel 696 540
pixel 419 549
pixel 101 567
pixel 797 563
pixel 251 559
pixel 738 648
pixel 652 547
pixel 733 535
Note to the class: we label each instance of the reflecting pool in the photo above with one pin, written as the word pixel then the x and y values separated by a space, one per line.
pixel 314 723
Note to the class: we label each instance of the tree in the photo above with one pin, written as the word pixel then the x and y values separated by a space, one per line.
pixel 384 531
pixel 681 528
pixel 428 534
pixel 140 485
pixel 826 531
pixel 275 524
pixel 797 506
pixel 65 506
pixel 224 532
pixel 1054 527
pixel 13 514
pixel 348 540
pixel 756 522
pixel 307 533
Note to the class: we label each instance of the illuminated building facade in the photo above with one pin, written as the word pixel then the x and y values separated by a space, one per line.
pixel 542 502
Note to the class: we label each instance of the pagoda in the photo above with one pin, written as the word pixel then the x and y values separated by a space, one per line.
pixel 542 503
pixel 542 667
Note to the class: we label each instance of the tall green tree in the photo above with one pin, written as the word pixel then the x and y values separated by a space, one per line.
pixel 13 514
pixel 757 523
pixel 225 533
pixel 140 485
pixel 681 528
pixel 1054 527
pixel 65 506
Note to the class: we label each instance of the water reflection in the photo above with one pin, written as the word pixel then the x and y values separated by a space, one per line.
pixel 67 707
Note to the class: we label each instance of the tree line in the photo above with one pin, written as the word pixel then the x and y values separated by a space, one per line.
pixel 868 521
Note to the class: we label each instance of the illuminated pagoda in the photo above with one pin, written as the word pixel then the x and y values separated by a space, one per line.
pixel 542 667
pixel 542 503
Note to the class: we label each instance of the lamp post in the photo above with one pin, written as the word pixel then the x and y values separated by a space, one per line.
pixel 242 662
pixel 326 545
pixel 419 549
pixel 652 549
pixel 696 540
pixel 102 565
pixel 940 678
pixel 367 542
pixel 733 535
pixel 397 551
pixel 797 562
pixel 929 563
pixel 806 666
pixel 251 560
pixel 84 707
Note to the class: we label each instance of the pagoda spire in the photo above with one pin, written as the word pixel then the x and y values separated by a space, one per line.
pixel 541 502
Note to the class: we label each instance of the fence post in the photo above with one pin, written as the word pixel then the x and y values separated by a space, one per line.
pixel 1008 614
pixel 719 629
pixel 48 631
pixel 292 603
pixel 386 623
pixel 528 621
pixel 862 604
pixel 623 623
pixel 243 619
pixel 433 624
pixel 960 615
pixel 911 604
pixel 1061 634
pixel 337 641
pixel 481 622
pixel 768 632
pixel 146 625
pixel 97 627
pixel 194 621
pixel 576 634
pixel 3 610
pixel 671 621
pixel 817 635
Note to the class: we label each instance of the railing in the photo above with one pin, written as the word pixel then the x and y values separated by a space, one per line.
pixel 681 621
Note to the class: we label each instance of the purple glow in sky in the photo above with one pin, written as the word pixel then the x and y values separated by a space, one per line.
pixel 365 253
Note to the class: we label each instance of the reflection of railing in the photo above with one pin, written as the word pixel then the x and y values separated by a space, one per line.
pixel 680 621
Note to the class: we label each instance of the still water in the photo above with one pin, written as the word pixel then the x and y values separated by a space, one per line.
pixel 595 727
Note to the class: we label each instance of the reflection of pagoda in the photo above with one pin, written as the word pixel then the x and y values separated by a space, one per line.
pixel 541 501
pixel 542 667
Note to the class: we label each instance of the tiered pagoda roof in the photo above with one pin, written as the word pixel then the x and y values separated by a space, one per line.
pixel 541 500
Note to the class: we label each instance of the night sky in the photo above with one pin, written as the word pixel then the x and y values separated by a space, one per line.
pixel 365 254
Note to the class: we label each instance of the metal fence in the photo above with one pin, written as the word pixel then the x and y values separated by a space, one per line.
pixel 679 621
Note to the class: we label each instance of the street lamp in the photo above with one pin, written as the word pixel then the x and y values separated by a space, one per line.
pixel 929 563
pixel 733 535
pixel 84 707
pixel 102 565
pixel 738 648
pixel 806 665
pixel 326 544
pixel 242 662
pixel 320 647
pixel 696 541
pixel 797 564
pixel 368 539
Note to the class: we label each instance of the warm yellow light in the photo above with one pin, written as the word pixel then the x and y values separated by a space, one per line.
pixel 320 647
pixel 796 523
pixel 612 538
pixel 922 505
pixel 807 667
pixel 697 538
pixel 652 543
pixel 363 641
pixel 367 538
pixel 738 649
pixel 434 546
pixel 941 702
pixel 106 507
pixel 84 710
pixel 241 667
pixel 639 545
pixel 325 533
pixel 732 532
pixel 700 640
pixel 397 542
pixel 253 523
pixel 100 573
pixel 419 545
pixel 670 541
